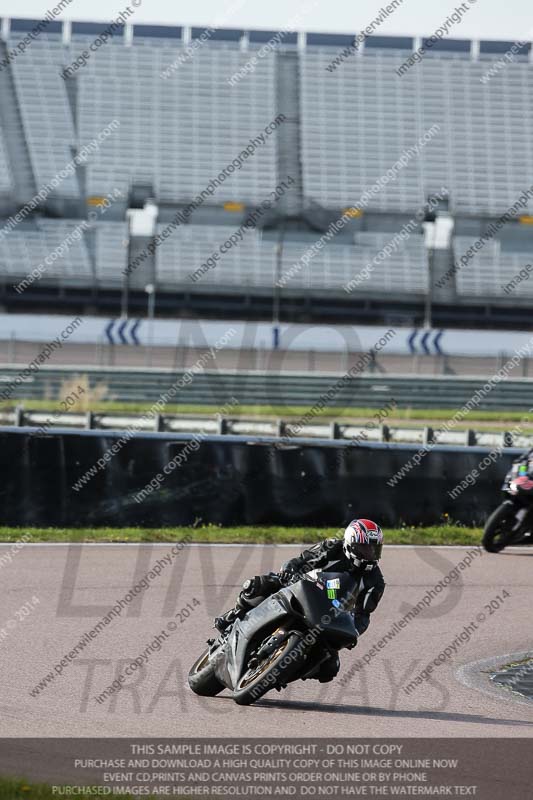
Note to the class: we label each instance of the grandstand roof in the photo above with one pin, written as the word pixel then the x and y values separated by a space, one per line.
pixel 488 47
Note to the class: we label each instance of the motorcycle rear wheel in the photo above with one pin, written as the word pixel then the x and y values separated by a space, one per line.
pixel 498 531
pixel 202 678
pixel 269 673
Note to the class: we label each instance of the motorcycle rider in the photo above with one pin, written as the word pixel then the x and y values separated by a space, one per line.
pixel 359 552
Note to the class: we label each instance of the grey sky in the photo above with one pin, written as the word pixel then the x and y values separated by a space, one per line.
pixel 490 19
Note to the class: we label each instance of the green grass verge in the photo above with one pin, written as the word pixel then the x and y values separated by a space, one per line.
pixel 438 534
pixel 523 662
pixel 16 789
pixel 287 412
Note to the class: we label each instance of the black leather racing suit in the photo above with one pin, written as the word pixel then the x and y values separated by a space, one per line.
pixel 327 556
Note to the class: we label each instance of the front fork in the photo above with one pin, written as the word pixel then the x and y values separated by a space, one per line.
pixel 520 516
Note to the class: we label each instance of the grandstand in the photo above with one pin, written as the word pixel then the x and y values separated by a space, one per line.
pixel 6 181
pixel 147 117
pixel 47 120
pixel 491 271
pixel 110 253
pixel 358 118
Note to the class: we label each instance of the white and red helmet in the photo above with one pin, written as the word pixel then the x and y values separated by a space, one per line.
pixel 363 542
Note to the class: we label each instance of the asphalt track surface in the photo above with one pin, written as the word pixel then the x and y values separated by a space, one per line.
pixel 76 585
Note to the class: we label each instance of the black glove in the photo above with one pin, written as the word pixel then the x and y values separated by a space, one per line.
pixel 252 586
pixel 260 585
pixel 290 569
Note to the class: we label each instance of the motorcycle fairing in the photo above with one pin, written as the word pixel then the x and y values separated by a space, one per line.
pixel 327 609
pixel 231 664
pixel 318 601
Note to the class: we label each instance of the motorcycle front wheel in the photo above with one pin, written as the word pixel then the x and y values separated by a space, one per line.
pixel 202 678
pixel 275 669
pixel 499 528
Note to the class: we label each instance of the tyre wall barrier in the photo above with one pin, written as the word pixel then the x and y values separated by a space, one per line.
pixel 72 478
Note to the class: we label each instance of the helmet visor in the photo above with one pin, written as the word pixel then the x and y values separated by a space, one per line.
pixel 367 552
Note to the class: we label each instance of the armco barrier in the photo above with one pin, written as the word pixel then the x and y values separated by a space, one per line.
pixel 234 480
pixel 216 388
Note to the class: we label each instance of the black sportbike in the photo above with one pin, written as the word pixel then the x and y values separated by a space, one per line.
pixel 285 638
pixel 512 521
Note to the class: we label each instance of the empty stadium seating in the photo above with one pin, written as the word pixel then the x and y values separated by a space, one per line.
pixel 356 120
pixel 182 123
pixel 359 119
pixel 178 133
pixel 35 247
pixel 252 263
pixel 110 253
pixel 46 115
pixel 6 181
pixel 490 270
